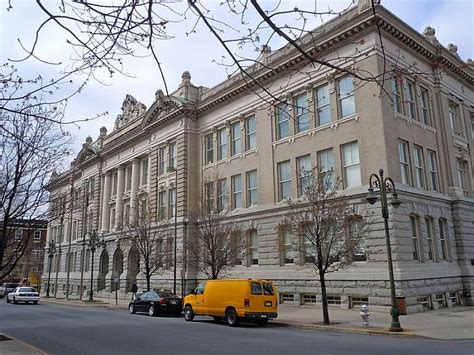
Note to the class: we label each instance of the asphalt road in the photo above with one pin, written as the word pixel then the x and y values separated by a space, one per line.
pixel 60 329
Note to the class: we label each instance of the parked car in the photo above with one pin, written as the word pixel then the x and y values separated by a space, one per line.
pixel 23 294
pixel 7 287
pixel 233 300
pixel 156 302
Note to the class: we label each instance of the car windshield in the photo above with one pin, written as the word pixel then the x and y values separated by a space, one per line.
pixel 26 289
pixel 166 295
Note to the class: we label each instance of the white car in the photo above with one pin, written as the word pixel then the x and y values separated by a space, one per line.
pixel 23 294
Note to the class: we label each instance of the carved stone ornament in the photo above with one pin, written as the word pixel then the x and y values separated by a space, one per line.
pixel 131 108
pixel 429 33
pixel 453 49
pixel 185 78
pixel 470 63
pixel 103 132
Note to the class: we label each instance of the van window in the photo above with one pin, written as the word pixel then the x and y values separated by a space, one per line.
pixel 267 289
pixel 200 288
pixel 256 288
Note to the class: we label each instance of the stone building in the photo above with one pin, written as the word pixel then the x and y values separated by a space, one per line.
pixel 419 128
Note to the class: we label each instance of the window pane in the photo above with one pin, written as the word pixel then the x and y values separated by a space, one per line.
pixel 351 164
pixel 251 133
pixel 222 144
pixel 346 96
pixel 323 107
pixel 282 121
pixel 252 188
pixel 236 192
pixel 304 174
pixel 302 113
pixel 235 129
pixel 284 174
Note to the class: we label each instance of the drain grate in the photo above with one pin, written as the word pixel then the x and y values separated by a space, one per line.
pixel 4 337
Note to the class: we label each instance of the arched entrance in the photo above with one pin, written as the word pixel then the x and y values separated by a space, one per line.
pixel 117 270
pixel 133 266
pixel 103 269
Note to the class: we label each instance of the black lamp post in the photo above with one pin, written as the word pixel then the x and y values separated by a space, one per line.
pixel 51 252
pixel 384 186
pixel 95 240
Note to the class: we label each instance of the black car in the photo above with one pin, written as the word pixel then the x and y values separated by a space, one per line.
pixel 156 302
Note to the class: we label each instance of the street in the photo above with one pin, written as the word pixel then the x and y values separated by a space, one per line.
pixel 58 329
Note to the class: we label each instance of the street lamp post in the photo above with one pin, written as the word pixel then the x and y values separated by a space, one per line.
pixel 95 240
pixel 51 252
pixel 384 186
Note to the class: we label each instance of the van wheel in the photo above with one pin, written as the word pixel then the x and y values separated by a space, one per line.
pixel 262 322
pixel 232 318
pixel 217 319
pixel 188 313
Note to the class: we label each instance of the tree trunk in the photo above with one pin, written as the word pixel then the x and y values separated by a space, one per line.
pixel 324 298
pixel 148 276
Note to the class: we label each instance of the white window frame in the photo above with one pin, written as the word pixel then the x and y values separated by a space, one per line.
pixel 284 180
pixel 433 169
pixel 161 205
pixel 304 169
pixel 352 165
pixel 173 155
pixel 326 168
pixel 282 120
pixel 425 106
pixel 410 96
pixel 252 190
pixel 251 132
pixel 236 138
pixel 236 182
pixel 345 96
pixel 302 113
pixel 222 144
pixel 209 147
pixel 163 163
pixel 397 99
pixel 323 104
pixel 287 255
pixel 419 166
pixel 252 254
pixel 415 238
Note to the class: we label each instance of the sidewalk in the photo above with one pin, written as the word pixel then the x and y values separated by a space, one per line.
pixel 12 346
pixel 446 323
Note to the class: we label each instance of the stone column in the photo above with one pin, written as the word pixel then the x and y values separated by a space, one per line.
pixel 134 190
pixel 105 203
pixel 119 202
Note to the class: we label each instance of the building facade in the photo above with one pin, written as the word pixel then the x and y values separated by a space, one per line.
pixel 413 116
pixel 29 234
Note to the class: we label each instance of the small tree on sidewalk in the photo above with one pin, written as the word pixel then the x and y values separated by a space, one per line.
pixel 330 231
pixel 148 239
pixel 215 244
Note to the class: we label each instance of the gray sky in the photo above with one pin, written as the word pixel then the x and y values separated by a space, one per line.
pixel 453 21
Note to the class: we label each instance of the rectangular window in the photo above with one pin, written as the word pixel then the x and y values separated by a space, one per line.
pixel 443 238
pixel 309 298
pixel 424 104
pixel 309 248
pixel 461 170
pixel 235 131
pixel 284 180
pixel 323 105
pixel 209 196
pixel 304 174
pixel 419 167
pixel 433 170
pixel 326 169
pixel 144 174
pixel 351 164
pixel 346 96
pixel 114 183
pixel 454 117
pixel 251 130
pixel 252 188
pixel 37 235
pixel 430 238
pixel 222 201
pixel 172 203
pixel 283 119
pixel 334 299
pixel 221 144
pixel 236 248
pixel 302 113
pixel 161 205
pixel 425 302
pixel 286 247
pixel 359 251
pixel 209 148
pixel 397 94
pixel 128 174
pixel 173 149
pixel 236 192
pixel 403 155
pixel 357 302
pixel 287 297
pixel 18 234
pixel 253 248
pixel 163 161
pixel 410 97
pixel 415 237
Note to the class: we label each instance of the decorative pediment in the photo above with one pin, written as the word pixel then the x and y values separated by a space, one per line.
pixel 162 106
pixel 131 108
pixel 88 150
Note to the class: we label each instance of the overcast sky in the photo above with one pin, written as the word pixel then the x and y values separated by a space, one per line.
pixel 452 19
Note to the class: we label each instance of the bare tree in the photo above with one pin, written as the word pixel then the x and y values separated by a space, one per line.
pixel 148 239
pixel 30 151
pixel 330 230
pixel 215 241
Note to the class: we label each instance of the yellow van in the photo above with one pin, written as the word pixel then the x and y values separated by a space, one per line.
pixel 233 299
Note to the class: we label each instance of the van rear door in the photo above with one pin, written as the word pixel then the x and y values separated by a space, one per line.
pixel 262 297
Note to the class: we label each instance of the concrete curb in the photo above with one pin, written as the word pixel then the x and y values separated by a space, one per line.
pixel 366 331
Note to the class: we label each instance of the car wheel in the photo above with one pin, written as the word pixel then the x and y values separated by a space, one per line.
pixel 131 309
pixel 15 301
pixel 151 311
pixel 188 313
pixel 217 319
pixel 232 318
pixel 262 322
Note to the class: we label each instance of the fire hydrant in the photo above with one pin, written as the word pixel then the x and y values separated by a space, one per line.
pixel 364 313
